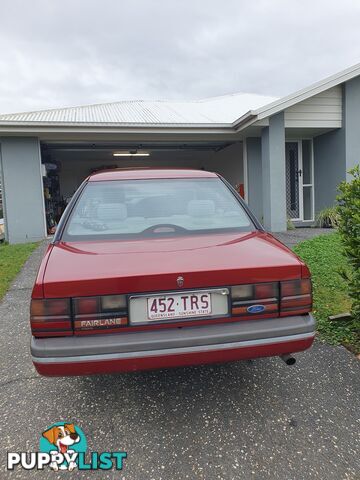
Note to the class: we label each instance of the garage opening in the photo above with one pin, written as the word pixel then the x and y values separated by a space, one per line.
pixel 66 165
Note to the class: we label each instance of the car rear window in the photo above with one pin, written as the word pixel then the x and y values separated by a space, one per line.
pixel 155 207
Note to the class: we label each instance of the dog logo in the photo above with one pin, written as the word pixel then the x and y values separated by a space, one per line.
pixel 65 439
pixel 180 281
pixel 63 446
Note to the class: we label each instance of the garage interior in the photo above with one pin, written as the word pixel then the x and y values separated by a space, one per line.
pixel 66 165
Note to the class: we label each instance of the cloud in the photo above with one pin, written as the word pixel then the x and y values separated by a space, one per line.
pixel 61 52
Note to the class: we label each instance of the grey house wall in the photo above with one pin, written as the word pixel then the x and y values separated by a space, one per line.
pixel 351 118
pixel 254 169
pixel 23 199
pixel 273 174
pixel 329 167
pixel 266 174
pixel 339 150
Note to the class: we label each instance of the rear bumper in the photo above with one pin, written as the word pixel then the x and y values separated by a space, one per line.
pixel 172 347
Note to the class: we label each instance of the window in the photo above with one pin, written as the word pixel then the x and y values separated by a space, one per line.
pixel 143 208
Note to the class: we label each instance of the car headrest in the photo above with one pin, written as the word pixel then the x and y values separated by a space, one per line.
pixel 112 211
pixel 201 208
pixel 113 195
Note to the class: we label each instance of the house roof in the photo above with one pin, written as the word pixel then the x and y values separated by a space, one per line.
pixel 298 96
pixel 235 111
pixel 217 110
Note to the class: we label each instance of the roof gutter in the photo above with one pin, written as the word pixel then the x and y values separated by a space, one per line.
pixel 245 121
pixel 37 127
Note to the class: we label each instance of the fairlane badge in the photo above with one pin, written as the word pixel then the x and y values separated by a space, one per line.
pixel 103 322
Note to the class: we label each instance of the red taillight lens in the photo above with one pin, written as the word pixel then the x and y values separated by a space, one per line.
pixel 296 297
pixel 50 317
pixel 254 291
pixel 86 305
pixel 266 290
pixel 296 287
pixel 50 307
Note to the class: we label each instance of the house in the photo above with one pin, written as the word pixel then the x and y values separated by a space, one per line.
pixel 285 155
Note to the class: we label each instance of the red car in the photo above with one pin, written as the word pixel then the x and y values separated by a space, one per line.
pixel 163 268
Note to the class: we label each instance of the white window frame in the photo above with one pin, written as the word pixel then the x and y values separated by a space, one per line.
pixel 311 185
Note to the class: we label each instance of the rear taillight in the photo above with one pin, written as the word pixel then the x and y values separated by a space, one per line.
pixel 59 317
pixel 51 317
pixel 257 300
pixel 107 313
pixel 295 297
pixel 261 299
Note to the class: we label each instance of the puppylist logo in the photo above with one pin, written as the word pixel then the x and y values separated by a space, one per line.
pixel 63 446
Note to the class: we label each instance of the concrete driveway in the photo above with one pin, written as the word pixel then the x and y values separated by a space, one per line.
pixel 248 420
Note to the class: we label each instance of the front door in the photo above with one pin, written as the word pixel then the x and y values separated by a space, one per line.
pixel 293 179
pixel 299 180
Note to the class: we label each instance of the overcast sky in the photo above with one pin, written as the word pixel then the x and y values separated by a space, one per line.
pixel 71 52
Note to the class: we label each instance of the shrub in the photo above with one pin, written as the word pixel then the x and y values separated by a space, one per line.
pixel 349 229
pixel 328 218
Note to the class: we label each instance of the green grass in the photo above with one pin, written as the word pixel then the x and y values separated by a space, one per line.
pixel 12 258
pixel 325 258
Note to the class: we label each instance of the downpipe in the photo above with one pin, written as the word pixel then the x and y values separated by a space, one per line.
pixel 288 359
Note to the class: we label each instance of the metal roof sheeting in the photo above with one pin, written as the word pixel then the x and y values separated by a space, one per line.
pixel 237 110
pixel 217 110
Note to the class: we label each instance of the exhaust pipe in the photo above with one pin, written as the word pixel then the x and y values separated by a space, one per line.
pixel 288 359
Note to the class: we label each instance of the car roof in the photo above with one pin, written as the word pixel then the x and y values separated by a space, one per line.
pixel 149 173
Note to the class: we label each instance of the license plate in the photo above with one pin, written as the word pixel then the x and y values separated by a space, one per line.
pixel 147 308
pixel 179 306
